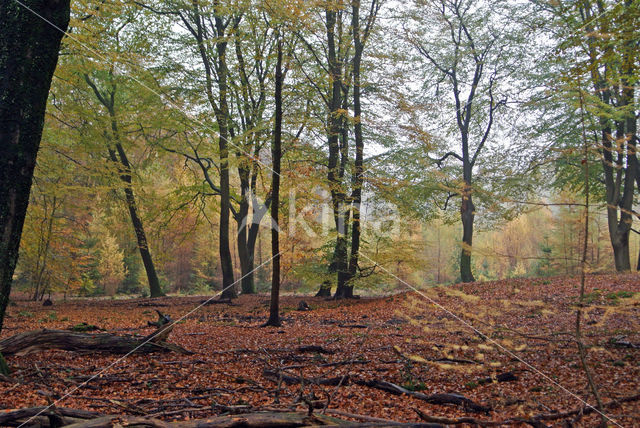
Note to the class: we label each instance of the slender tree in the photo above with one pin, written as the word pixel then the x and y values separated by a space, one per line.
pixel 276 157
pixel 360 37
pixel 119 158
pixel 210 24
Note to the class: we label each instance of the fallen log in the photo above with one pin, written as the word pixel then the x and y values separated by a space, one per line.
pixel 276 376
pixel 218 302
pixel 441 398
pixel 586 409
pixel 419 359
pixel 6 417
pixel 535 421
pixel 316 349
pixel 73 418
pixel 248 420
pixel 502 377
pixel 38 340
pixel 353 326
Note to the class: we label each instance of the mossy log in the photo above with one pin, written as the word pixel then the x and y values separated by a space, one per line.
pixel 39 340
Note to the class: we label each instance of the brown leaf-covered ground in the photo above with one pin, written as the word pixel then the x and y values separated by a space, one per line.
pixel 403 339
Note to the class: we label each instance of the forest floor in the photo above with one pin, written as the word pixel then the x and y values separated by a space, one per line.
pixel 404 339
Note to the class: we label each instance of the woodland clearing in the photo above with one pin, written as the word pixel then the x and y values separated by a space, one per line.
pixel 338 356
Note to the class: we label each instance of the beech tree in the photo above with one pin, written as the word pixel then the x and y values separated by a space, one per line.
pixel 276 158
pixel 337 79
pixel 611 67
pixel 597 66
pixel 235 52
pixel 211 25
pixel 468 55
pixel 29 48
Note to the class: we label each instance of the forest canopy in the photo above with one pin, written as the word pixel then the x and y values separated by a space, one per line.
pixel 445 140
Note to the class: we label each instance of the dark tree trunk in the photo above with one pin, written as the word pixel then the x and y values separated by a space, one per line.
pixel 467 214
pixel 124 167
pixel 621 254
pixel 335 173
pixel 225 206
pixel 358 175
pixel 152 277
pixel 619 190
pixel 325 289
pixel 248 232
pixel 619 194
pixel 252 238
pixel 246 254
pixel 28 56
pixel 276 155
pixel 216 72
pixel 229 291
pixel 341 255
pixel 242 218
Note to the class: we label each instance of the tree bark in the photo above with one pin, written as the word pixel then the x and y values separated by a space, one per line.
pixel 28 56
pixel 248 420
pixel 619 191
pixel 246 261
pixel 325 289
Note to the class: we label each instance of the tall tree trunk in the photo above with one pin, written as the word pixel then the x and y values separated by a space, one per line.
pixel 343 290
pixel 152 277
pixel 225 193
pixel 276 155
pixel 225 208
pixel 358 174
pixel 216 71
pixel 28 56
pixel 121 159
pixel 631 131
pixel 619 194
pixel 334 176
pixel 467 209
pixel 619 191
pixel 124 167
